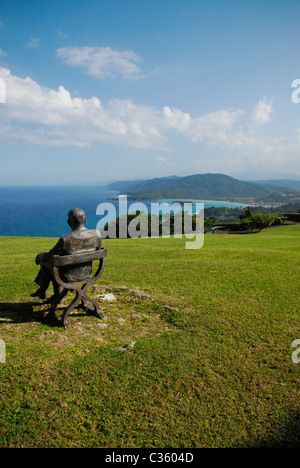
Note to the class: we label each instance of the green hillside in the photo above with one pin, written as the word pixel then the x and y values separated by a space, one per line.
pixel 199 186
pixel 210 364
pixel 284 184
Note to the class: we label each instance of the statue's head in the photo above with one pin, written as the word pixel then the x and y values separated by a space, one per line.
pixel 76 218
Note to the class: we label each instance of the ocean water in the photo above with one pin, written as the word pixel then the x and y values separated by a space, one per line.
pixel 43 211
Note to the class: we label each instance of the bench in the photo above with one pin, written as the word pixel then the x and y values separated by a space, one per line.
pixel 79 288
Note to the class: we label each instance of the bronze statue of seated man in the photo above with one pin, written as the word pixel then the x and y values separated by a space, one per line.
pixel 78 241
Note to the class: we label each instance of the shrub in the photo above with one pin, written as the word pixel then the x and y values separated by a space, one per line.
pixel 292 217
pixel 251 220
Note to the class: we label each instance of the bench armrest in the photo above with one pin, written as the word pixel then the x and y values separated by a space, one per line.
pixel 77 259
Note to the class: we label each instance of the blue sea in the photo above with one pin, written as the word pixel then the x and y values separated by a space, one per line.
pixel 43 211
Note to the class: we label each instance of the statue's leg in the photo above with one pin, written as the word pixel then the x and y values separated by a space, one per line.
pixel 42 280
pixel 56 288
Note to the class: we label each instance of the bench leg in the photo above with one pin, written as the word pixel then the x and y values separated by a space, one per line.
pixel 95 308
pixel 56 301
pixel 86 299
pixel 74 303
pixel 80 296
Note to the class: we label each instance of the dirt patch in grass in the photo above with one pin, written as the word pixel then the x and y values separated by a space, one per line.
pixel 129 315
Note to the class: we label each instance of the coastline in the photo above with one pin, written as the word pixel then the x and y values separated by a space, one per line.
pixel 237 203
pixel 42 211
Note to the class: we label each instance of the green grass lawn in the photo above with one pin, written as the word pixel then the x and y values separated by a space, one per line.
pixel 211 363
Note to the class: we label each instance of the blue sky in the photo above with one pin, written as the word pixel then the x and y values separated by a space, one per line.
pixel 124 89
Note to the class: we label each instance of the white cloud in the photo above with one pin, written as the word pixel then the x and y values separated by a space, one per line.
pixel 38 115
pixel 53 117
pixel 102 62
pixel 262 111
pixel 215 128
pixel 2 53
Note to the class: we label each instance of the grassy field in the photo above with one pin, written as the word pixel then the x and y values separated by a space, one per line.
pixel 210 364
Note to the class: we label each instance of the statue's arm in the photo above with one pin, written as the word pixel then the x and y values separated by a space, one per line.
pixel 58 249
